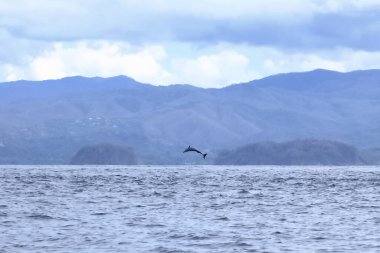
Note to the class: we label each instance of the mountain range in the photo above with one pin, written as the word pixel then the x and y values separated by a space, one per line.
pixel 47 122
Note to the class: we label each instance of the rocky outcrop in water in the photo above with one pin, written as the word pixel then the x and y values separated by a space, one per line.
pixel 298 152
pixel 103 154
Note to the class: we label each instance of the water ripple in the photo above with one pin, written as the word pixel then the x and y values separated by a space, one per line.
pixel 189 209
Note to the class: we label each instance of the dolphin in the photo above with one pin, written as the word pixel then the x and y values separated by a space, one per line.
pixel 191 149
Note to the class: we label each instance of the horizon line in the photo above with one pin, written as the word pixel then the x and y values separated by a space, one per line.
pixel 188 84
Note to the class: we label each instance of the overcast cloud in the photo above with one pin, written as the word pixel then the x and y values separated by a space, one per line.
pixel 209 43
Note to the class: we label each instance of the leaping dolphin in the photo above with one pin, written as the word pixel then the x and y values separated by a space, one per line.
pixel 189 149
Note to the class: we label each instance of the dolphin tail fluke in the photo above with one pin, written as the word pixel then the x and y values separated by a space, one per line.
pixel 204 155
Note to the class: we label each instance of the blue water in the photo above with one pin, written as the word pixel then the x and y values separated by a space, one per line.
pixel 189 209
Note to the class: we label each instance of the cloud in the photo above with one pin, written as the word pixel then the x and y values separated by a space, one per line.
pixel 15 50
pixel 210 43
pixel 155 64
pixel 213 70
pixel 293 24
pixel 148 64
pixel 133 20
pixel 99 58
pixel 341 59
pixel 282 63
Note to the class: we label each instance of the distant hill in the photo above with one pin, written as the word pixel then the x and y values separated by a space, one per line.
pixel 298 152
pixel 371 155
pixel 104 154
pixel 47 122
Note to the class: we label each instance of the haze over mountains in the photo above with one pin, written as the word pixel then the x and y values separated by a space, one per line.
pixel 49 121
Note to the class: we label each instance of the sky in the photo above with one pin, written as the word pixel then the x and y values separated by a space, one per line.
pixel 206 43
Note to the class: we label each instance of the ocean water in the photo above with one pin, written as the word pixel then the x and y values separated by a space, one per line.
pixel 189 209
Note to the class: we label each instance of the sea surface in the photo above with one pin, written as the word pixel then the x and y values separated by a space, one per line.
pixel 189 209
